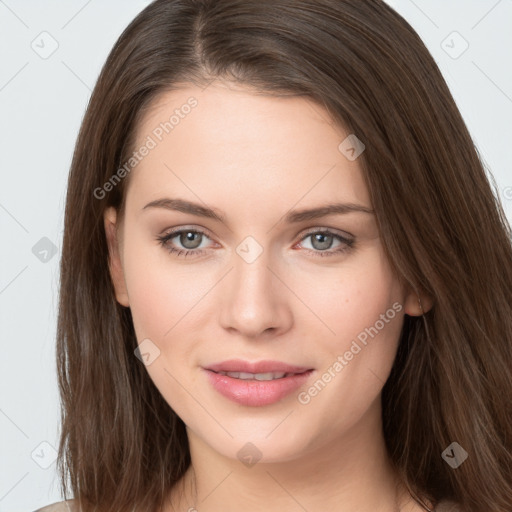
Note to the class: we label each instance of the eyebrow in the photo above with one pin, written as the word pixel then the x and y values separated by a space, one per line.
pixel 295 216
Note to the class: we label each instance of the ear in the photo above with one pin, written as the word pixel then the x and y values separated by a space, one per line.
pixel 114 260
pixel 417 305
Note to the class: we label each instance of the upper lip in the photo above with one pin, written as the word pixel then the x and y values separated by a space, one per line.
pixel 238 365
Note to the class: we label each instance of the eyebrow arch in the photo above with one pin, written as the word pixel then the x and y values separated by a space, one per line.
pixel 296 216
pixel 322 211
pixel 181 205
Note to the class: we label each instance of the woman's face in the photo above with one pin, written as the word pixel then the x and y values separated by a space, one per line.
pixel 263 279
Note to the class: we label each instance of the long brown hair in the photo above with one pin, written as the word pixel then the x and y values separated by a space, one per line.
pixel 442 227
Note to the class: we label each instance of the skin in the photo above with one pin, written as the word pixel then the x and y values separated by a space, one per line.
pixel 254 158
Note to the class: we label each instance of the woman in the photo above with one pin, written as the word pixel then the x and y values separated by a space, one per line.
pixel 286 282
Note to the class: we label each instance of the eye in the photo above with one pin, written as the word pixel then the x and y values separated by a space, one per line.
pixel 186 242
pixel 322 241
pixel 189 239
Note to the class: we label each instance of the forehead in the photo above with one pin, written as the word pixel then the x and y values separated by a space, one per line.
pixel 226 141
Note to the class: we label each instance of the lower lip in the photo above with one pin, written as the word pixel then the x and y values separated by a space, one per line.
pixel 256 392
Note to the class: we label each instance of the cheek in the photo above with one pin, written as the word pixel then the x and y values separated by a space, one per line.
pixel 350 299
pixel 364 306
pixel 365 310
pixel 162 299
pixel 151 297
pixel 160 294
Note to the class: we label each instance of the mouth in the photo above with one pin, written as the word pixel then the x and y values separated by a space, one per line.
pixel 256 384
pixel 256 368
pixel 258 376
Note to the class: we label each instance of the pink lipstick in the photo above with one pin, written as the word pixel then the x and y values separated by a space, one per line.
pixel 256 384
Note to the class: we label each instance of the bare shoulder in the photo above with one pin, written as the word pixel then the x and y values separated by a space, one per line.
pixel 60 506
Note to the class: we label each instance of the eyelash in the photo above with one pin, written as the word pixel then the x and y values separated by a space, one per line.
pixel 165 239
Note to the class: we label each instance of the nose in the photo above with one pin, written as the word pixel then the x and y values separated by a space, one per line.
pixel 254 299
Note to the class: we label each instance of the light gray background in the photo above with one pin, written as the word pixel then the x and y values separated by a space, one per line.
pixel 42 101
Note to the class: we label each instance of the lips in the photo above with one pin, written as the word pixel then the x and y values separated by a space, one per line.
pixel 238 365
pixel 256 384
pixel 256 376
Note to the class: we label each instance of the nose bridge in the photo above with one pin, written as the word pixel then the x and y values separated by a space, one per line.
pixel 251 302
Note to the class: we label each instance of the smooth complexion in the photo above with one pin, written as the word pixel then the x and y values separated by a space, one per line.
pixel 254 160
